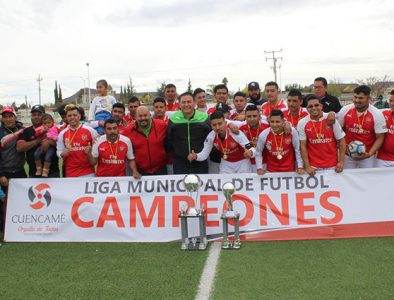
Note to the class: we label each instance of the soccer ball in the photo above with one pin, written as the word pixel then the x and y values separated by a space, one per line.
pixel 356 148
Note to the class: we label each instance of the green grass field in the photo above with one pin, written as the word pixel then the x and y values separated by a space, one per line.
pixel 325 269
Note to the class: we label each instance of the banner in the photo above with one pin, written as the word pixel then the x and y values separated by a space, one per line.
pixel 277 206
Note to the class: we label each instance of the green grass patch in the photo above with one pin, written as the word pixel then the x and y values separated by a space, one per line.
pixel 321 269
pixel 99 271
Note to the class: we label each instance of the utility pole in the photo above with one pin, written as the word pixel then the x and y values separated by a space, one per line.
pixel 39 79
pixel 274 59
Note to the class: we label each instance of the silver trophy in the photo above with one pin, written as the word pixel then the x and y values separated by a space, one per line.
pixel 192 184
pixel 228 191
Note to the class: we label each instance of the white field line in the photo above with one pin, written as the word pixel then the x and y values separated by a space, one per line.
pixel 208 275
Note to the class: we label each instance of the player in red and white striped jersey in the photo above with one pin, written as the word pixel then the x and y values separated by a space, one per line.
pixel 111 153
pixel 272 92
pixel 365 123
pixel 319 140
pixel 240 102
pixel 385 157
pixel 71 144
pixel 235 150
pixel 294 112
pixel 252 129
pixel 283 150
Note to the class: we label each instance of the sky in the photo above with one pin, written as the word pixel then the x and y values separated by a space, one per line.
pixel 174 40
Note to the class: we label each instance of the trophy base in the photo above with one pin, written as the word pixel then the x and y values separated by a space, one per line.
pixel 194 244
pixel 198 242
pixel 231 245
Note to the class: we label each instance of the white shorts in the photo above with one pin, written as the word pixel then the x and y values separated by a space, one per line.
pixel 359 164
pixel 380 163
pixel 242 166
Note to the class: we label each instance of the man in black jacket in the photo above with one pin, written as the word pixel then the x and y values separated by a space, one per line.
pixel 187 131
pixel 330 103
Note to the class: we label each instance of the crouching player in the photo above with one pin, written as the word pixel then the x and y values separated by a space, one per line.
pixel 283 150
pixel 235 149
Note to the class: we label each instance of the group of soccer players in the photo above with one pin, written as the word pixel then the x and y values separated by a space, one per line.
pixel 183 134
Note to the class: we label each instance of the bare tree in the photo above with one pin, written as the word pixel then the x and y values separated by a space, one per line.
pixel 377 85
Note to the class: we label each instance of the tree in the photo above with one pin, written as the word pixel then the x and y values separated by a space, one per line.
pixel 132 88
pixel 377 85
pixel 160 89
pixel 334 88
pixel 210 88
pixel 297 86
pixel 189 86
pixel 60 95
pixel 225 81
pixel 23 106
pixel 56 92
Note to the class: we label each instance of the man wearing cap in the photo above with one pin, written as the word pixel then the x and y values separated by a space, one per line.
pixel 28 142
pixel 255 94
pixel 11 162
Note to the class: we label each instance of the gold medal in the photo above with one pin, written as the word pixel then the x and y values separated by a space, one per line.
pixel 225 156
pixel 279 156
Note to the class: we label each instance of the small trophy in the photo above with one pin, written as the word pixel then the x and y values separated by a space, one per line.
pixel 192 183
pixel 228 191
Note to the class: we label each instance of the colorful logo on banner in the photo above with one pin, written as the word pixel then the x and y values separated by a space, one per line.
pixel 39 196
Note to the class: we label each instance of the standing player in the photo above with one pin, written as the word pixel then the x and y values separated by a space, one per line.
pixel 240 102
pixel 221 95
pixel 385 156
pixel 255 94
pixel 272 92
pixel 365 123
pixel 159 109
pixel 253 127
pixel 71 144
pixel 170 96
pixel 319 140
pixel 235 150
pixel 134 103
pixel 111 152
pixel 294 112
pixel 283 150
pixel 200 98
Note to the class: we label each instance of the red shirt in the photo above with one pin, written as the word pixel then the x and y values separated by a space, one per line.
pixel 362 127
pixel 295 119
pixel 172 106
pixel 386 152
pixel 282 150
pixel 266 108
pixel 150 153
pixel 253 136
pixel 76 163
pixel 112 157
pixel 213 108
pixel 129 120
pixel 321 141
pixel 229 147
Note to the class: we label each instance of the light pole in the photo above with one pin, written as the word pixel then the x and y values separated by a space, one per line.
pixel 84 90
pixel 39 79
pixel 87 64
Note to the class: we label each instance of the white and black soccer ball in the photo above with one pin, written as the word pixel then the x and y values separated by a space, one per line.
pixel 356 149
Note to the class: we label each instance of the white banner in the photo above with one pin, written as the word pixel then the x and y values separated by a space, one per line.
pixel 356 203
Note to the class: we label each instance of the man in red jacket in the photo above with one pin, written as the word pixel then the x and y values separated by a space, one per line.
pixel 148 137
